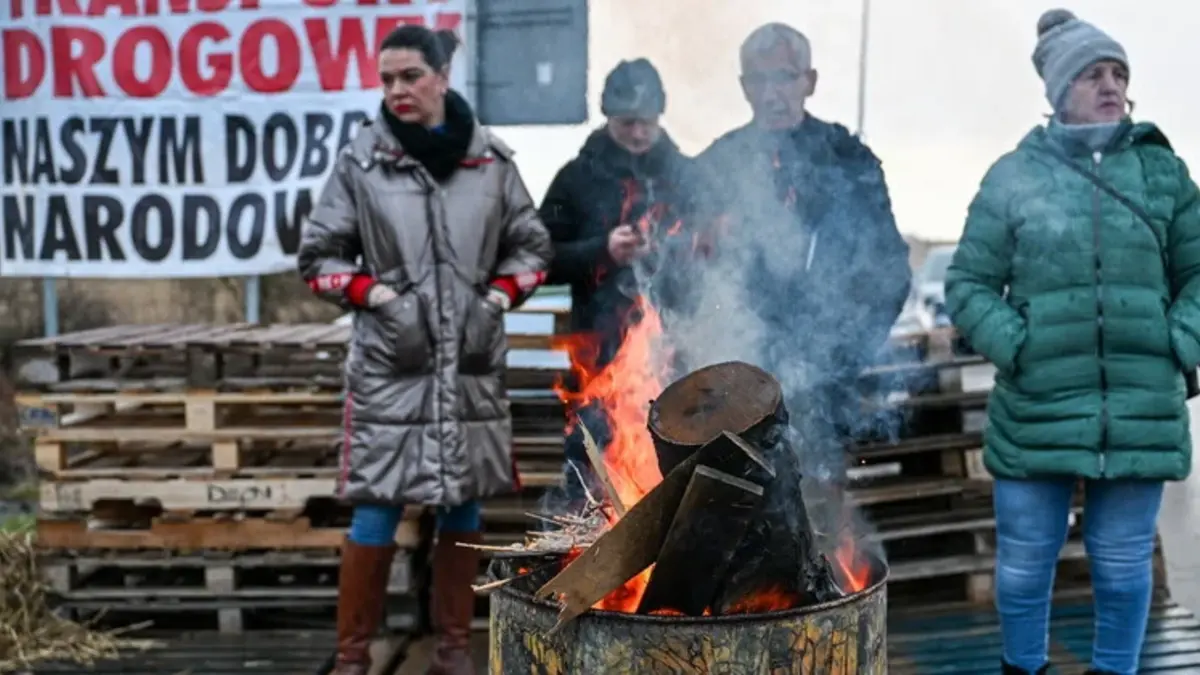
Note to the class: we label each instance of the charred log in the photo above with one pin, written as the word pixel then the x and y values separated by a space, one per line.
pixel 711 520
pixel 693 411
pixel 778 563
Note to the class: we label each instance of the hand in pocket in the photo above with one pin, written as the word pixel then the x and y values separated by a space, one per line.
pixel 400 328
pixel 482 350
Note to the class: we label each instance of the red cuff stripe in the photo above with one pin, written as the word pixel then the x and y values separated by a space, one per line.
pixel 329 282
pixel 530 280
pixel 509 286
pixel 357 289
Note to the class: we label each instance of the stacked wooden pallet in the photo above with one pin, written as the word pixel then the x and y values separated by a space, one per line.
pixel 193 468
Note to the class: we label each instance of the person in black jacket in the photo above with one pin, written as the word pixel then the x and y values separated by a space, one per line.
pixel 612 212
pixel 807 217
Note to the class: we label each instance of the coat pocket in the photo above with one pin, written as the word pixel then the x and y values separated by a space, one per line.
pixel 1028 346
pixel 483 346
pixel 397 340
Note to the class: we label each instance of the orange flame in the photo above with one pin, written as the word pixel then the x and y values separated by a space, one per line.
pixel 855 570
pixel 623 390
pixel 768 600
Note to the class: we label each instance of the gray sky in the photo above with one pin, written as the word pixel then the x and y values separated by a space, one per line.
pixel 950 82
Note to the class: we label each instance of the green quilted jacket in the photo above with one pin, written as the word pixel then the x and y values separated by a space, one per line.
pixel 1089 316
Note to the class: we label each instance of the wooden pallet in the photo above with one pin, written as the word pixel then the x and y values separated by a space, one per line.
pixel 230 494
pixel 282 457
pixel 240 357
pixel 205 357
pixel 75 433
pixel 157 506
pixel 224 585
pixel 951 555
pixel 226 534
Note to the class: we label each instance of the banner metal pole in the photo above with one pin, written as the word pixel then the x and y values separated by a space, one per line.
pixel 50 306
pixel 864 37
pixel 253 299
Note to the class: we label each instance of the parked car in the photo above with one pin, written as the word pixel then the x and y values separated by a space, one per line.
pixel 928 295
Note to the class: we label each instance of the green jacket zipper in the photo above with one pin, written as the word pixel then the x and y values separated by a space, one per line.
pixel 1097 241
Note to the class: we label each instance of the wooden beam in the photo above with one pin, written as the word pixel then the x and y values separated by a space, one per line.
pixel 709 524
pixel 633 543
pixel 733 397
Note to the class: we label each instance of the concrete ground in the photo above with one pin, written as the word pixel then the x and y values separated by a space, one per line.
pixel 1179 526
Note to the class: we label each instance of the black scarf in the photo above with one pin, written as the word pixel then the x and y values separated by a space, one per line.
pixel 441 152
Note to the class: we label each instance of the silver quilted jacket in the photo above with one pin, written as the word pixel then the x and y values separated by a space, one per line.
pixel 426 421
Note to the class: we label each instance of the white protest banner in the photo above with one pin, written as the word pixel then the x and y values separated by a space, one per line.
pixel 180 138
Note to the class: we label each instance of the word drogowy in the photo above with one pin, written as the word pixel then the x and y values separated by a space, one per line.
pixel 204 57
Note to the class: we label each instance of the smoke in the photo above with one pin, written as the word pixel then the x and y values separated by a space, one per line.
pixel 800 284
pixel 776 296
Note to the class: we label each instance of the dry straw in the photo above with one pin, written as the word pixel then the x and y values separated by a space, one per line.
pixel 30 630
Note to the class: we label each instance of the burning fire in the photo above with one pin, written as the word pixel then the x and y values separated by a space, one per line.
pixel 623 390
pixel 855 572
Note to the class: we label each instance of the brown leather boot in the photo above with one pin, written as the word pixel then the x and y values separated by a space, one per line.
pixel 362 592
pixel 454 571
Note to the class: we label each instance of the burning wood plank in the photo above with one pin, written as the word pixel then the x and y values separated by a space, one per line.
pixel 634 541
pixel 711 520
pixel 598 466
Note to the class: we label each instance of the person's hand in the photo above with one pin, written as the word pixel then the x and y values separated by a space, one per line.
pixel 624 244
pixel 499 298
pixel 380 295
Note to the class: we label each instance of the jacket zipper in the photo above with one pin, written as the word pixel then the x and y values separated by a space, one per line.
pixel 1097 242
pixel 433 192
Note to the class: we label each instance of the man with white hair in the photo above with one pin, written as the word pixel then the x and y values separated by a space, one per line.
pixel 806 202
pixel 806 213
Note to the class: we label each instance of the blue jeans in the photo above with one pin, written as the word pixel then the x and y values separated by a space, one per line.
pixel 375 524
pixel 1118 533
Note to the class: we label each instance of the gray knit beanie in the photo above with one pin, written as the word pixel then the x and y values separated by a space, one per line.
pixel 633 88
pixel 1066 46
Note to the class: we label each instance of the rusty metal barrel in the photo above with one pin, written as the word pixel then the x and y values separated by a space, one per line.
pixel 847 636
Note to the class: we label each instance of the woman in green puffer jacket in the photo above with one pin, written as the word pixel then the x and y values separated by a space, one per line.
pixel 1089 307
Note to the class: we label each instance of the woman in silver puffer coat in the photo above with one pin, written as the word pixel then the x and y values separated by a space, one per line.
pixel 425 230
